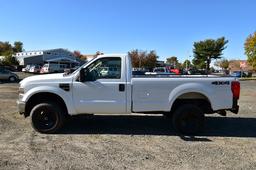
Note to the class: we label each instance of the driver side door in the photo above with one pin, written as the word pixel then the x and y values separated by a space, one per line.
pixel 103 90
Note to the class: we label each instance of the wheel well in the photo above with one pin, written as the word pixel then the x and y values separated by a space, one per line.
pixel 194 98
pixel 44 97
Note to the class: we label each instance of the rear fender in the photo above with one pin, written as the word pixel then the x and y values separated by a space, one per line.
pixel 188 88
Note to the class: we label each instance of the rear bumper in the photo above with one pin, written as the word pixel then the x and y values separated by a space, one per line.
pixel 21 106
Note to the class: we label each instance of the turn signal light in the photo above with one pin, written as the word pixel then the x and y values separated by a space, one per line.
pixel 235 87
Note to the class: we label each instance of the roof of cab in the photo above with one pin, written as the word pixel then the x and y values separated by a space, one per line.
pixel 113 55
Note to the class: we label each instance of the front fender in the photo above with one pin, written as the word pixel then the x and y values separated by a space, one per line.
pixel 66 96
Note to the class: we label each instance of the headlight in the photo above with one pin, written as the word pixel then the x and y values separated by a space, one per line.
pixel 20 96
pixel 21 93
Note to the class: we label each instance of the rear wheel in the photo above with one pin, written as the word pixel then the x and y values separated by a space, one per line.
pixel 188 119
pixel 47 118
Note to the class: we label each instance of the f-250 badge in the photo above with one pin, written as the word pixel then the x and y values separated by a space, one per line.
pixel 220 82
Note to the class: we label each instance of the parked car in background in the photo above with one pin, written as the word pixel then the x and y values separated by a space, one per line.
pixel 109 71
pixel 70 70
pixel 8 75
pixel 53 68
pixel 9 67
pixel 240 74
pixel 138 73
pixel 104 71
pixel 160 71
pixel 175 70
pixel 194 71
pixel 18 68
pixel 35 69
pixel 236 74
pixel 26 69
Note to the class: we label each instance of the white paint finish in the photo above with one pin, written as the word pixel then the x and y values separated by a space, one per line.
pixel 51 88
pixel 158 94
pixel 99 97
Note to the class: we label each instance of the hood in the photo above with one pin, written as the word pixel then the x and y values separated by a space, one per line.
pixel 44 79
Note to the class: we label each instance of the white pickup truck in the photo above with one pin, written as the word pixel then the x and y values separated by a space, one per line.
pixel 50 99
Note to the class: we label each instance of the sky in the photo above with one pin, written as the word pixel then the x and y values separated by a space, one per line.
pixel 170 27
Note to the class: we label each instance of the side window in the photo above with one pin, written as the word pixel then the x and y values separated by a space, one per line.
pixel 105 68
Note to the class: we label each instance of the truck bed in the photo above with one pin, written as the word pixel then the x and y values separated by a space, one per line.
pixel 157 93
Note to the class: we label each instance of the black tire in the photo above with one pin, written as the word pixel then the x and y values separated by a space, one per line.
pixel 12 79
pixel 188 119
pixel 47 118
pixel 168 115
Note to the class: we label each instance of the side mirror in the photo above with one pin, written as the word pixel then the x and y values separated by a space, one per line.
pixel 82 75
pixel 85 75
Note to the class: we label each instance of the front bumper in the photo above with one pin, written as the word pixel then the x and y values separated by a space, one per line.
pixel 21 106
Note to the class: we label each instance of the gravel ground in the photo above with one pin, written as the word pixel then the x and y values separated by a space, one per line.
pixel 128 142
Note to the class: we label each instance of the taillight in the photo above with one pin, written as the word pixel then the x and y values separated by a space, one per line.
pixel 235 87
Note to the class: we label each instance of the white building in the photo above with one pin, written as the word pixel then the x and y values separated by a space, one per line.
pixel 44 56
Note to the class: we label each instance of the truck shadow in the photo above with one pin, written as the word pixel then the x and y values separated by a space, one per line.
pixel 158 125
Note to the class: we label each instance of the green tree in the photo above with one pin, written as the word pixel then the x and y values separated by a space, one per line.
pixel 186 64
pixel 7 50
pixel 173 61
pixel 10 60
pixel 134 54
pixel 150 60
pixel 206 50
pixel 250 49
pixel 224 63
pixel 18 47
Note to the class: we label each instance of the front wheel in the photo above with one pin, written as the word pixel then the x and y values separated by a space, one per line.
pixel 188 119
pixel 47 118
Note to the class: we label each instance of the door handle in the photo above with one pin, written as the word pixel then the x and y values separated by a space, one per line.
pixel 121 87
